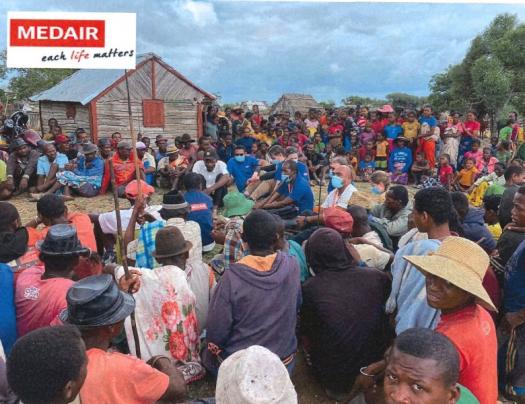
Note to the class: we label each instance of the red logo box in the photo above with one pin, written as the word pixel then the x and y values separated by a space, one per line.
pixel 57 33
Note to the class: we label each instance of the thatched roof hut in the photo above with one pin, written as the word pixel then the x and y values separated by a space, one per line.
pixel 294 102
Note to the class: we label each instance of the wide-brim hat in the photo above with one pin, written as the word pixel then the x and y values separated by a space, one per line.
pixel 186 139
pixel 172 150
pixel 461 262
pixel 18 142
pixel 170 242
pixel 250 375
pixel 96 301
pixel 61 240
pixel 386 109
pixel 236 204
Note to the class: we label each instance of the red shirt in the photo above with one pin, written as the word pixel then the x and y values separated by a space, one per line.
pixel 444 172
pixel 471 126
pixel 190 154
pixel 377 126
pixel 39 302
pixel 124 171
pixel 473 333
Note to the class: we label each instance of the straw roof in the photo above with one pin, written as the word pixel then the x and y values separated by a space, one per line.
pixel 294 102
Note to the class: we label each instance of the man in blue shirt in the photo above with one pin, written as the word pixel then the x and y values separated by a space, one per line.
pixel 201 206
pixel 242 167
pixel 294 196
pixel 246 140
pixel 47 167
pixel 84 177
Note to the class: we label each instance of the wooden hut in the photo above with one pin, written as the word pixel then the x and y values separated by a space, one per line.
pixel 294 102
pixel 163 101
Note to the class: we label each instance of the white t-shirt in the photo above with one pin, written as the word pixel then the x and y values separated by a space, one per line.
pixel 210 176
pixel 331 200
pixel 108 220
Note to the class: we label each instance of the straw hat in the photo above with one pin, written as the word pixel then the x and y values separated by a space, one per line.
pixel 460 262
pixel 254 375
pixel 172 150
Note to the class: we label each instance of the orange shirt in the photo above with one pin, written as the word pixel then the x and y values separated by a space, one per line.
pixel 121 379
pixel 381 148
pixel 261 264
pixel 467 177
pixel 473 333
pixel 84 227
pixel 124 170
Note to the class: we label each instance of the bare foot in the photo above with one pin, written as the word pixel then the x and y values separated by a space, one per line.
pixel 67 198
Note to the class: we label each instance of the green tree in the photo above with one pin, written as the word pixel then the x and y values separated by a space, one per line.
pixel 404 100
pixel 28 82
pixel 365 101
pixel 327 104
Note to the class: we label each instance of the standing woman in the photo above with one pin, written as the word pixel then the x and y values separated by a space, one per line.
pixel 471 132
pixel 453 132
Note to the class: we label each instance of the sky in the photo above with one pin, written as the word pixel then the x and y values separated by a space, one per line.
pixel 256 50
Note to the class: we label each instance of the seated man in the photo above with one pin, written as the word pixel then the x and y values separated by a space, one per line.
pixel 514 178
pixel 429 357
pixel 150 166
pixel 99 309
pixel 257 300
pixel 366 241
pixel 393 213
pixel 172 168
pixel 162 146
pixel 187 148
pixel 84 178
pixel 201 206
pixel 244 169
pixel 124 168
pixel 175 305
pixel 63 145
pixel 293 197
pixel 47 168
pixel 21 170
pixel 267 179
pixel 226 148
pixel 40 292
pixel 480 186
pixel 48 365
pixel 335 302
pixel 174 212
pixel 216 175
pixel 52 210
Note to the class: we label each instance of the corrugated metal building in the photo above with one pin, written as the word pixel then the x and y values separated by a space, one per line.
pixel 163 101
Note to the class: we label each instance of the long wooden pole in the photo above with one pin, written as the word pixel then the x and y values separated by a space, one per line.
pixel 123 252
pixel 133 140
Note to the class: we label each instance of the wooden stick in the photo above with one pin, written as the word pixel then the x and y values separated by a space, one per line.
pixel 133 140
pixel 123 252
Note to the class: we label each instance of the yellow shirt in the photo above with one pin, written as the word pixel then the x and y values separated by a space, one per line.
pixel 466 177
pixel 410 129
pixel 495 230
pixel 381 148
pixel 263 137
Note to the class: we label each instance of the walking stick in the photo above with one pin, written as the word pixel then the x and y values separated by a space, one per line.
pixel 123 252
pixel 319 205
pixel 133 140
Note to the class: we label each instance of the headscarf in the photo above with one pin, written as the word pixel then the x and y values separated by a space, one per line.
pixel 325 250
pixel 13 244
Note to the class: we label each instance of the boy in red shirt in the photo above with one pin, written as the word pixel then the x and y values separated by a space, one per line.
pixel 454 275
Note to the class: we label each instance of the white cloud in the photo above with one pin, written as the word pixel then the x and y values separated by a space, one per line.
pixel 203 14
pixel 335 68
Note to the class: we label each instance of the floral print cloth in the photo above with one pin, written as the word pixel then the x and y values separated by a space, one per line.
pixel 166 319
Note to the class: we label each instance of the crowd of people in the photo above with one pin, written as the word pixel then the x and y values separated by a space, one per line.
pixel 408 288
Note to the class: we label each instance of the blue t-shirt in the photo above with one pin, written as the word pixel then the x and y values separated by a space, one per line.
pixel 431 121
pixel 247 142
pixel 392 131
pixel 7 308
pixel 96 167
pixel 225 152
pixel 241 172
pixel 43 165
pixel 300 192
pixel 363 165
pixel 201 212
pixel 302 169
pixel 400 157
pixel 150 177
pixel 514 285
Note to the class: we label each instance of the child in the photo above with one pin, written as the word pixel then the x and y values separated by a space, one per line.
pixel 420 168
pixel 475 153
pixel 367 134
pixel 445 173
pixel 367 148
pixel 400 161
pixel 354 141
pixel 319 146
pixel 352 158
pixel 381 152
pixel 366 167
pixel 504 154
pixel 466 177
pixel 491 206
pixel 494 143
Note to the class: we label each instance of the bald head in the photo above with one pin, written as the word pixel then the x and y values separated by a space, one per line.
pixel 344 172
pixel 360 216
